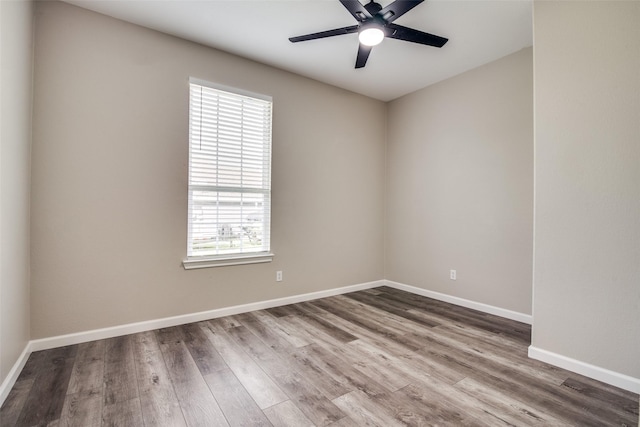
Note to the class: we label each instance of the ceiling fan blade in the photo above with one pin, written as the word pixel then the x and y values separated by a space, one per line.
pixel 398 8
pixel 410 35
pixel 363 55
pixel 323 34
pixel 356 9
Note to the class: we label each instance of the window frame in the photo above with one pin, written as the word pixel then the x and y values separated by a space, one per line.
pixel 232 258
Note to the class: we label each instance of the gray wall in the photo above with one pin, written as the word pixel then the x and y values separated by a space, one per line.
pixel 460 185
pixel 587 230
pixel 16 58
pixel 109 201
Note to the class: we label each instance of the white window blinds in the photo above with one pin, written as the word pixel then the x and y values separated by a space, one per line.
pixel 229 172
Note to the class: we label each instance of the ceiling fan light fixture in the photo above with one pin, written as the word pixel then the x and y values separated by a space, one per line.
pixel 371 36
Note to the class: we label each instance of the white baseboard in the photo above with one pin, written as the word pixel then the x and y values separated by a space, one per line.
pixel 13 374
pixel 132 328
pixel 485 308
pixel 597 373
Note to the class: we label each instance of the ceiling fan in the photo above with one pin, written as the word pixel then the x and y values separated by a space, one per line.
pixel 374 24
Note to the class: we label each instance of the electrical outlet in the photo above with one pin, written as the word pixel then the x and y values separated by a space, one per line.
pixel 279 276
pixel 452 274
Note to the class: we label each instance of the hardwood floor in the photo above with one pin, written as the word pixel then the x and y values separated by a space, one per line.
pixel 380 357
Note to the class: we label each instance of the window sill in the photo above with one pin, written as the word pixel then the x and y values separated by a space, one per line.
pixel 226 260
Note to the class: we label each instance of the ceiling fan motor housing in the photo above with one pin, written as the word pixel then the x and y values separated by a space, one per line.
pixel 373 8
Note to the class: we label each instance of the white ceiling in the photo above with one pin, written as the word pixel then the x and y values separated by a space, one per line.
pixel 479 32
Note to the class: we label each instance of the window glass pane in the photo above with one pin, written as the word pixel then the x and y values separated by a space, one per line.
pixel 226 223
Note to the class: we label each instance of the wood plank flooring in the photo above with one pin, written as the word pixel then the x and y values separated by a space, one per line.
pixel 380 357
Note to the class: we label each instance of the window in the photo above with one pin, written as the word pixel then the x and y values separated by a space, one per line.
pixel 229 176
